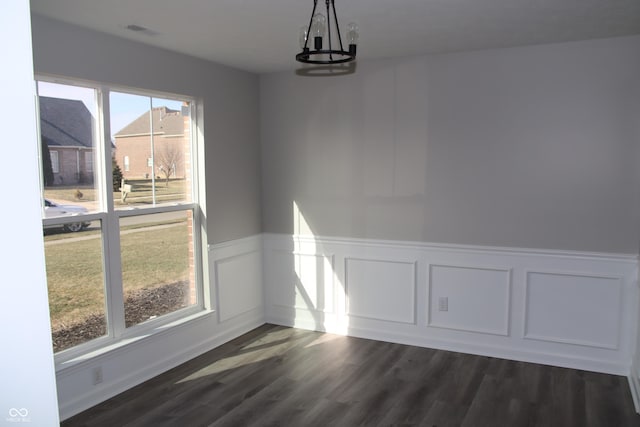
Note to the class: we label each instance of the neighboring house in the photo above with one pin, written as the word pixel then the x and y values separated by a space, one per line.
pixel 133 145
pixel 66 129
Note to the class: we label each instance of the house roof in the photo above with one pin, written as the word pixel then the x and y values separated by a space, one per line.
pixel 165 121
pixel 65 123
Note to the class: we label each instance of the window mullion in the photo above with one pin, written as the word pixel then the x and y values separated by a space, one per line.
pixel 113 272
pixel 111 227
pixel 107 152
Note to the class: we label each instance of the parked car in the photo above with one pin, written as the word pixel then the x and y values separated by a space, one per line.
pixel 54 210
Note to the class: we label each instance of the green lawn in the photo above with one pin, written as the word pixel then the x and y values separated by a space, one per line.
pixel 75 276
pixel 153 258
pixel 176 190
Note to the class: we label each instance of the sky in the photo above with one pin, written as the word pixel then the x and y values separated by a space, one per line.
pixel 125 108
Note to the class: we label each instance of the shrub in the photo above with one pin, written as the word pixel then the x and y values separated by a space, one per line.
pixel 117 175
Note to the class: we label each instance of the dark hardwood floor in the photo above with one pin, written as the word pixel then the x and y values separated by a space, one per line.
pixel 277 376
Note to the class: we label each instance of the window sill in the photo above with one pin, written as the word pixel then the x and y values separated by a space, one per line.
pixel 79 362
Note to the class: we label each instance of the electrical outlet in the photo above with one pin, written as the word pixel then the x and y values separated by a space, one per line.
pixel 443 304
pixel 97 375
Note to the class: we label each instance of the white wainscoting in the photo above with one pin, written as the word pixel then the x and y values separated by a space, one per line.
pixel 595 322
pixel 480 298
pixel 235 293
pixel 634 375
pixel 634 383
pixel 367 279
pixel 568 309
pixel 562 308
pixel 237 276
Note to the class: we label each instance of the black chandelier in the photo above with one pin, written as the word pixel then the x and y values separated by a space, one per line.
pixel 319 27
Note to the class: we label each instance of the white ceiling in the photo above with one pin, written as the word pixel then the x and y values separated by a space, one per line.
pixel 262 35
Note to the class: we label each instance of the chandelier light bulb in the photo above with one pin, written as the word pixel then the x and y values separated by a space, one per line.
pixel 352 33
pixel 318 25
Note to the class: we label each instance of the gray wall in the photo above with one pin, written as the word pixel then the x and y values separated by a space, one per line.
pixel 230 109
pixel 531 147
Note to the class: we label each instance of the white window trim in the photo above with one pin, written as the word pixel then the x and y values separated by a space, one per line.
pixel 117 334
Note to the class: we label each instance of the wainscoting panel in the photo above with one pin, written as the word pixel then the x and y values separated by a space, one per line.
pixel 239 283
pixel 302 281
pixel 561 308
pixel 313 280
pixel 552 314
pixel 469 298
pixel 382 290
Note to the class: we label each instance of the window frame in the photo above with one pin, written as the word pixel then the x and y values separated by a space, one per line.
pixel 117 334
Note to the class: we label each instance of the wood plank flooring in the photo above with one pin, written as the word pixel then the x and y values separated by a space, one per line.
pixel 277 376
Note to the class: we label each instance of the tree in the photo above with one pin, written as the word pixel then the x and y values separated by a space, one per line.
pixel 117 175
pixel 167 159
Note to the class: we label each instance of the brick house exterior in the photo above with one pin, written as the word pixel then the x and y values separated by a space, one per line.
pixel 66 131
pixel 171 134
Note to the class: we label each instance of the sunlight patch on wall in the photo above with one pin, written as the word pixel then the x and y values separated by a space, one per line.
pixel 300 225
pixel 319 293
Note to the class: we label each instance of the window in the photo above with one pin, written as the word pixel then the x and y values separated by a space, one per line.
pixel 137 262
pixel 88 162
pixel 54 162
